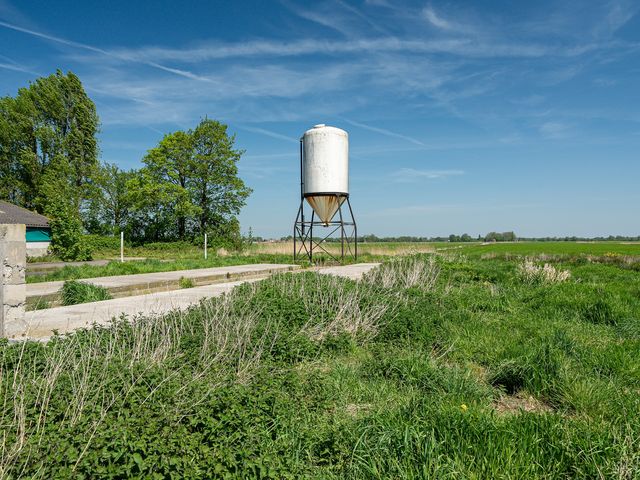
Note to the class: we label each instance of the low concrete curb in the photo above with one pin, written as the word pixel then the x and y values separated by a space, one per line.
pixel 120 286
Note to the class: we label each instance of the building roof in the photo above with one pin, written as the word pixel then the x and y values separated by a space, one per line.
pixel 11 214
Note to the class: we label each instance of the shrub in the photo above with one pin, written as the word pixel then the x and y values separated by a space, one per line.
pixel 67 233
pixel 186 282
pixel 74 292
pixel 405 272
pixel 533 274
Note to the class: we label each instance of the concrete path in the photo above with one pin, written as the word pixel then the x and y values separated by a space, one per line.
pixel 65 319
pixel 354 272
pixel 149 282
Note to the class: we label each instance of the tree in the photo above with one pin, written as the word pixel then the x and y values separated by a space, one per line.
pixel 66 230
pixel 170 168
pixel 216 188
pixel 108 209
pixel 49 126
pixel 190 184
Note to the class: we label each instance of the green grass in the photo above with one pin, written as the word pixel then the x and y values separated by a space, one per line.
pixel 554 248
pixel 74 292
pixel 433 367
pixel 186 282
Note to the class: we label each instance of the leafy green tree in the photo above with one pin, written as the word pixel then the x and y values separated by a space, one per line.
pixel 66 231
pixel 48 127
pixel 170 168
pixel 190 185
pixel 109 208
pixel 216 188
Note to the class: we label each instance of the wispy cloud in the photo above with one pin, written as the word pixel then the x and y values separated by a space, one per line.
pixel 434 19
pixel 384 131
pixel 413 175
pixel 554 130
pixel 108 53
pixel 268 133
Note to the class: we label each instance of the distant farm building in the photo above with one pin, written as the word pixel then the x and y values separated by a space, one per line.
pixel 38 229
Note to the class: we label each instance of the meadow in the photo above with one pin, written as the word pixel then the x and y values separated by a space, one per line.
pixel 164 257
pixel 441 365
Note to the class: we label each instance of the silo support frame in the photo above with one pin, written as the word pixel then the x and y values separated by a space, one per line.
pixel 305 244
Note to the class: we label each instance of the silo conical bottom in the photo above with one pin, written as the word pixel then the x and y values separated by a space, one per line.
pixel 325 206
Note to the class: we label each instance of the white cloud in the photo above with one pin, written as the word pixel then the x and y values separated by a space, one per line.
pixel 384 131
pixel 413 175
pixel 434 19
pixel 554 130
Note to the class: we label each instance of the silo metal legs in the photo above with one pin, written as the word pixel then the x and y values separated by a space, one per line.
pixel 305 244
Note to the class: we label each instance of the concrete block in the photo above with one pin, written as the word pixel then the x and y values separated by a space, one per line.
pixel 15 295
pixel 15 324
pixel 13 233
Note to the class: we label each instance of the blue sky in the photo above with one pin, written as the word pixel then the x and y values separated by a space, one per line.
pixel 463 116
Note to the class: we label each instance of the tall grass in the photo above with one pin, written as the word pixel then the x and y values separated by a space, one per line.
pixel 73 293
pixel 429 367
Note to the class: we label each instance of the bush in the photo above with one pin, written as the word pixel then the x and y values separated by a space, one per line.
pixel 74 292
pixel 67 240
pixel 186 282
pixel 100 242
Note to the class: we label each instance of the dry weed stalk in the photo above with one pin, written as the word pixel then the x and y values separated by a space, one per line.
pixel 531 273
pixel 405 272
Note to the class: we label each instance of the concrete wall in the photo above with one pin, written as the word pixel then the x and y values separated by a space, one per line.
pixel 13 288
pixel 37 249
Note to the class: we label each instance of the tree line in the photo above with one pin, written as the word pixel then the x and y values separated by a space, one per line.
pixel 49 162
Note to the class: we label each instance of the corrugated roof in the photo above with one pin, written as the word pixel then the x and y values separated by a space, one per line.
pixel 10 213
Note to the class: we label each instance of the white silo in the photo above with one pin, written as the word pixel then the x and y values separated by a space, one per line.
pixel 324 184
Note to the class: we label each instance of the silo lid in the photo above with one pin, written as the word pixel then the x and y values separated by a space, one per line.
pixel 320 125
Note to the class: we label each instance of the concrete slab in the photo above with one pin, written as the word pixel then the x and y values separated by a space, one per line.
pixel 42 323
pixel 354 272
pixel 150 282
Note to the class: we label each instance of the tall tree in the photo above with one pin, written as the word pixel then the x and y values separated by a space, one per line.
pixel 216 188
pixel 190 183
pixel 48 130
pixel 170 168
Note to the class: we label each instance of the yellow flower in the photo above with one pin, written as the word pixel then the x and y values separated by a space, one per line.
pixel 464 407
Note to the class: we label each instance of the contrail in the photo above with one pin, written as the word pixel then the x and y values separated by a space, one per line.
pixel 91 48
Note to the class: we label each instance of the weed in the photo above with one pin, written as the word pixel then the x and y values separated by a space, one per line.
pixel 534 274
pixel 74 292
pixel 185 282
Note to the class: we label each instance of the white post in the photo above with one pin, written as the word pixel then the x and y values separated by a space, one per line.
pixel 205 246
pixel 121 247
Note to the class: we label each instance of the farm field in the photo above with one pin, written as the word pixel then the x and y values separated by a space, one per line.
pixel 179 256
pixel 554 248
pixel 432 366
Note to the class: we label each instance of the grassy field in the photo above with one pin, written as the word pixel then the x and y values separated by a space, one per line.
pixel 554 248
pixel 180 256
pixel 448 366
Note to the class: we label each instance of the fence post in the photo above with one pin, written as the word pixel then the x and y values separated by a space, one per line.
pixel 205 246
pixel 121 247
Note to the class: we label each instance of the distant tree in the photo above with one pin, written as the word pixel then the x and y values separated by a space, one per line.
pixel 108 210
